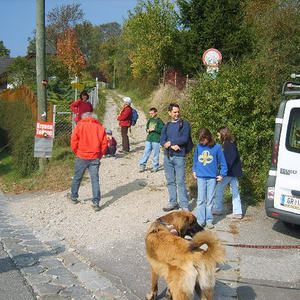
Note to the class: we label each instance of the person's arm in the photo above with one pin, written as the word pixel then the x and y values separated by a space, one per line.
pixel 147 126
pixel 182 136
pixel 230 153
pixel 163 136
pixel 75 139
pixel 159 126
pixel 125 113
pixel 103 144
pixel 195 162
pixel 222 162
pixel 74 106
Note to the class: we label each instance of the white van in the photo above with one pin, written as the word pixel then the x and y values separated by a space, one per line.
pixel 282 199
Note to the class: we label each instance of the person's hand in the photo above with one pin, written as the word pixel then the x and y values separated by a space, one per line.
pixel 150 130
pixel 167 144
pixel 194 174
pixel 219 178
pixel 175 148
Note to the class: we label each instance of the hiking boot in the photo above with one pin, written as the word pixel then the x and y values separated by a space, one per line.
pixel 217 212
pixel 142 168
pixel 233 216
pixel 170 207
pixel 209 226
pixel 73 200
pixel 96 206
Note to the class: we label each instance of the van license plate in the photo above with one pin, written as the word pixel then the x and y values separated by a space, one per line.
pixel 290 201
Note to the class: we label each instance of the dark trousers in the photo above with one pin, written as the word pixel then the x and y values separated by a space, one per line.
pixel 125 139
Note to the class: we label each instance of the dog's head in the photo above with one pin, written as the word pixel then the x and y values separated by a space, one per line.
pixel 184 221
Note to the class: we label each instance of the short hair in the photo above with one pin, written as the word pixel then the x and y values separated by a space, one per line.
pixel 170 108
pixel 89 115
pixel 204 133
pixel 84 93
pixel 153 109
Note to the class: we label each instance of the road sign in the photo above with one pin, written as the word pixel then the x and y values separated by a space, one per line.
pixel 212 57
pixel 77 85
pixel 44 129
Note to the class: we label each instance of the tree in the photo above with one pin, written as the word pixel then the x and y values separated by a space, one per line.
pixel 4 52
pixel 69 53
pixel 212 24
pixel 149 34
pixel 60 18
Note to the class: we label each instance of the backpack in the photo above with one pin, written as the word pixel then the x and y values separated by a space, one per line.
pixel 135 116
pixel 189 145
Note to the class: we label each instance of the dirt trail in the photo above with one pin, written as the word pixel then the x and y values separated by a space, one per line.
pixel 114 237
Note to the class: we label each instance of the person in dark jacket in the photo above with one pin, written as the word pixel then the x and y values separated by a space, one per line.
pixel 125 122
pixel 234 171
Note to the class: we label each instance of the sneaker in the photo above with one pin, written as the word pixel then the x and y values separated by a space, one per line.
pixel 217 212
pixel 185 209
pixel 95 206
pixel 233 216
pixel 170 207
pixel 73 200
pixel 209 226
pixel 142 168
pixel 154 170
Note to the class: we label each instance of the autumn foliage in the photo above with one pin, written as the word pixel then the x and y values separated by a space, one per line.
pixel 69 54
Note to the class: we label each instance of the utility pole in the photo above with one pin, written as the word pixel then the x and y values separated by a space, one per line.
pixel 41 81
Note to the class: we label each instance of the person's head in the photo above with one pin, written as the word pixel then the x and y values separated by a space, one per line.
pixel 108 132
pixel 224 135
pixel 205 137
pixel 84 96
pixel 173 111
pixel 127 101
pixel 153 112
pixel 89 115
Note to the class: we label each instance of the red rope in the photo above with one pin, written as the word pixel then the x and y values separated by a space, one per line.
pixel 265 246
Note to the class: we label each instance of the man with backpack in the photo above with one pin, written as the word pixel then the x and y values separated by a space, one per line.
pixel 125 119
pixel 176 139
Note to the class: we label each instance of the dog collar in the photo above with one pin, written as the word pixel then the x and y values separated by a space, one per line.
pixel 171 227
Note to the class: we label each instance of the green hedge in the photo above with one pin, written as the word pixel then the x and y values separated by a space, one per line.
pixel 18 129
pixel 235 100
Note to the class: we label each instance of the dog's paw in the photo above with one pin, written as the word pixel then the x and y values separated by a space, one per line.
pixel 151 296
pixel 168 294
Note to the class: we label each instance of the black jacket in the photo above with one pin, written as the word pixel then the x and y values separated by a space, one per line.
pixel 232 159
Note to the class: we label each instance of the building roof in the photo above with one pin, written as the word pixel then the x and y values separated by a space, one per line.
pixel 4 63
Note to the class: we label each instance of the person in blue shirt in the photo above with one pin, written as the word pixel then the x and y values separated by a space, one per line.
pixel 174 137
pixel 208 157
pixel 234 171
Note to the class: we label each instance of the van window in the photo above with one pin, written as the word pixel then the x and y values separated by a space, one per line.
pixel 293 134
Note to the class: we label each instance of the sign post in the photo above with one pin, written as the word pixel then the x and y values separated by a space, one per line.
pixel 43 142
pixel 211 59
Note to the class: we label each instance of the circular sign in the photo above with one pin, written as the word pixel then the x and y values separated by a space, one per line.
pixel 212 57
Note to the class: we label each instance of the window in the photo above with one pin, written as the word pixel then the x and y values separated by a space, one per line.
pixel 293 134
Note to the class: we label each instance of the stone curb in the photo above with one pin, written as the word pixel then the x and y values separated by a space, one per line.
pixel 51 269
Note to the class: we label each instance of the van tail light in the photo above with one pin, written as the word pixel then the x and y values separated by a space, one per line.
pixel 271 193
pixel 275 214
pixel 275 154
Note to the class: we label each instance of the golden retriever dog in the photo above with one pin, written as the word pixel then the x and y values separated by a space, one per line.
pixel 181 262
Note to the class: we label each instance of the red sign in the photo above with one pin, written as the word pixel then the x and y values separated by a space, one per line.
pixel 44 129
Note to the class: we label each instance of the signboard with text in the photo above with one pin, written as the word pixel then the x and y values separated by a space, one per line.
pixel 44 129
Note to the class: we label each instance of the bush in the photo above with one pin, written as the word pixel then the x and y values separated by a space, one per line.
pixel 17 124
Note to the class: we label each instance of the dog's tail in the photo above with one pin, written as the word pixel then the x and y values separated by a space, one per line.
pixel 215 250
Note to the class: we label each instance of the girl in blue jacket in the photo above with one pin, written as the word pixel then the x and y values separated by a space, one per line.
pixel 207 158
pixel 234 171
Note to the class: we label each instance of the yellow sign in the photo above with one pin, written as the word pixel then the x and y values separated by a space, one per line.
pixel 77 85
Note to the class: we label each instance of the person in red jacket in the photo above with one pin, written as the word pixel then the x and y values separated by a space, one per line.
pixel 89 143
pixel 125 122
pixel 81 106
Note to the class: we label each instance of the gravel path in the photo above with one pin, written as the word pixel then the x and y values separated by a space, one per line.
pixel 113 238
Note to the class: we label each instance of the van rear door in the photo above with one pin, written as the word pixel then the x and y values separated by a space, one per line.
pixel 287 187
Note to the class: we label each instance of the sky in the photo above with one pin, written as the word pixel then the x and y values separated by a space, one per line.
pixel 18 18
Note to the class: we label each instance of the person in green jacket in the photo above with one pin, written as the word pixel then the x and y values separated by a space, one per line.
pixel 153 127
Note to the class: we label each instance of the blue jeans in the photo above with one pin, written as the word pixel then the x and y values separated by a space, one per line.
pixel 149 146
pixel 206 191
pixel 234 188
pixel 175 175
pixel 80 166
